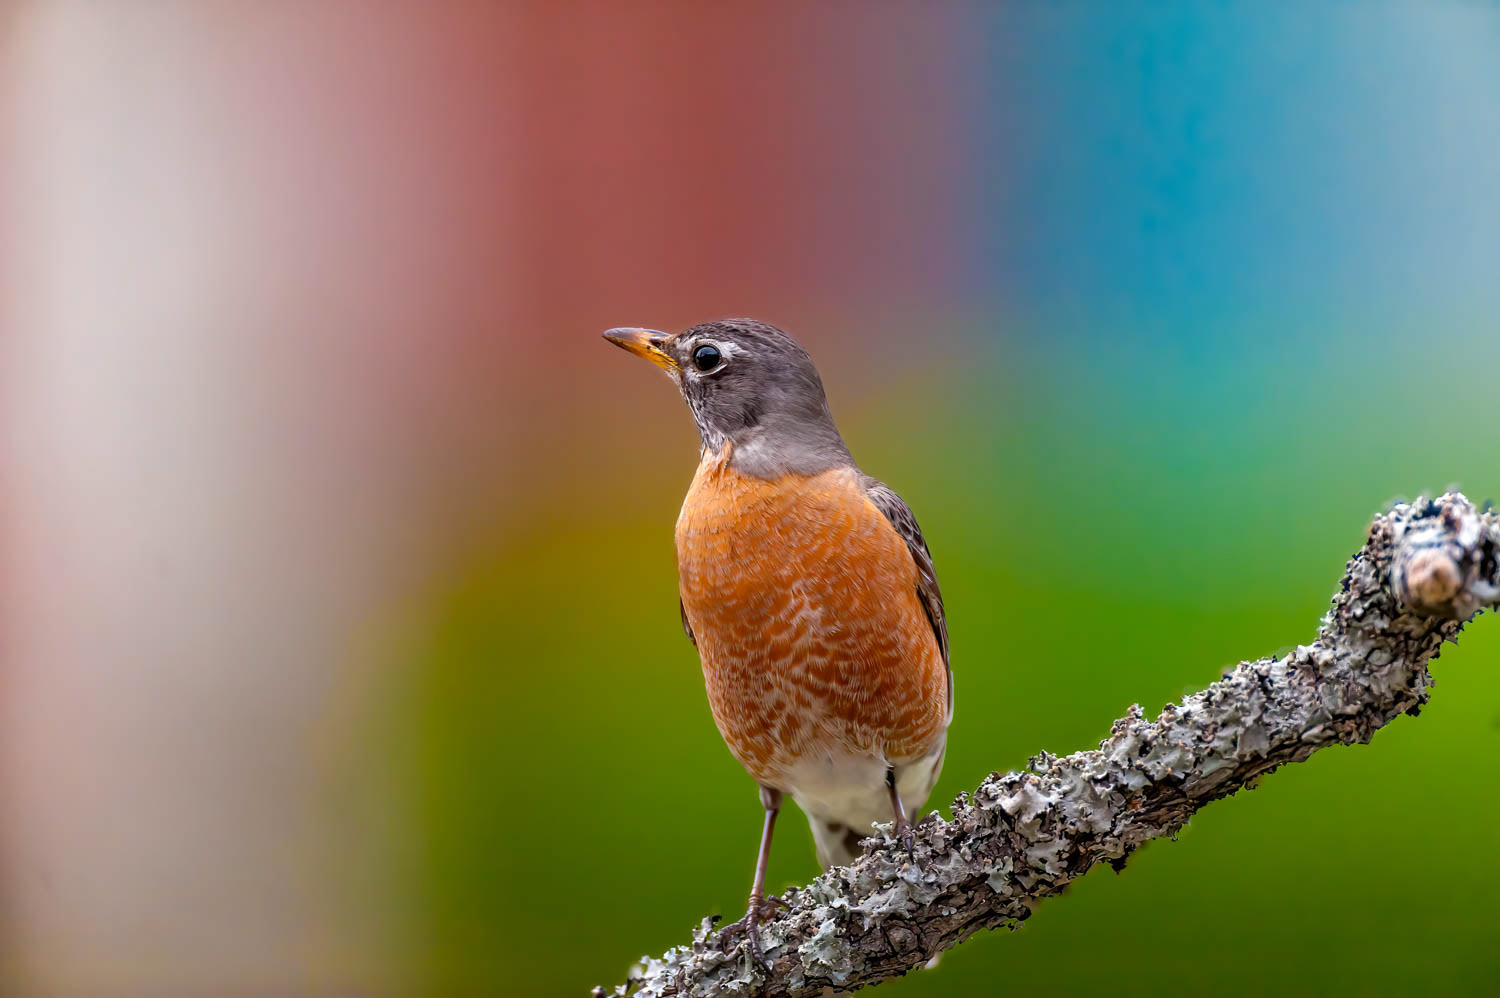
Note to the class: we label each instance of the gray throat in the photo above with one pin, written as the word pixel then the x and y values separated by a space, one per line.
pixel 779 446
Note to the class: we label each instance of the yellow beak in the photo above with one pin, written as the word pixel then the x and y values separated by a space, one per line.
pixel 645 343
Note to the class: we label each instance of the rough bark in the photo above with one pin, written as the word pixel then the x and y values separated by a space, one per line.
pixel 1425 570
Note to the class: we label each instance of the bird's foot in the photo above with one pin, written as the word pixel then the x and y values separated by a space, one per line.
pixel 761 909
pixel 907 836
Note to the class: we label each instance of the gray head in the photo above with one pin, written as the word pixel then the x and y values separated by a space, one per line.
pixel 749 384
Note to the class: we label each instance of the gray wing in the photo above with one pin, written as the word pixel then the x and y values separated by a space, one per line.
pixel 686 627
pixel 894 508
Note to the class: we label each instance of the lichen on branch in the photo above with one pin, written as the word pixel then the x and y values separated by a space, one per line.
pixel 1426 569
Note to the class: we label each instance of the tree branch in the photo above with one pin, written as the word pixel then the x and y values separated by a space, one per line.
pixel 1424 571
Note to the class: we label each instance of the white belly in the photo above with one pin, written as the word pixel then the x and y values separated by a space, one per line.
pixel 850 790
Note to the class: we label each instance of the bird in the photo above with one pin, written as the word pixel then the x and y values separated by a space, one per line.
pixel 810 594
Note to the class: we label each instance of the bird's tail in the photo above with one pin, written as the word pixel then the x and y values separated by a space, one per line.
pixel 837 843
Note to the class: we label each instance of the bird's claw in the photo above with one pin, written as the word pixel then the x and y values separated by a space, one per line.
pixel 907 836
pixel 761 909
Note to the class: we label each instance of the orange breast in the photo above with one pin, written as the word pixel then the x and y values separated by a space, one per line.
pixel 803 601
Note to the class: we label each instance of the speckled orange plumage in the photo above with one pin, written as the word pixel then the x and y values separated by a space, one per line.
pixel 803 601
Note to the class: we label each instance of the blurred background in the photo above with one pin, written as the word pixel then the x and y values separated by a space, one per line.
pixel 340 653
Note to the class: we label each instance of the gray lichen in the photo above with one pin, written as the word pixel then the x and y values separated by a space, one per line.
pixel 1425 569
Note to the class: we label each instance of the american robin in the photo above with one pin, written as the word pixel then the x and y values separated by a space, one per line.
pixel 809 592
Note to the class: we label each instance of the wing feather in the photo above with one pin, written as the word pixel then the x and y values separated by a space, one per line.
pixel 894 508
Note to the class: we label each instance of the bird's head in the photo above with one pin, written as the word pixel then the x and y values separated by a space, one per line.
pixel 750 385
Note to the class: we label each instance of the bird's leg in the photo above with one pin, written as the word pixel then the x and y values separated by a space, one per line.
pixel 771 801
pixel 903 830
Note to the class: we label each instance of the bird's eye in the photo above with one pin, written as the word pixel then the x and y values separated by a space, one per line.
pixel 706 357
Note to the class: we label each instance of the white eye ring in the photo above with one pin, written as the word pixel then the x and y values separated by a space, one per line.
pixel 722 352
